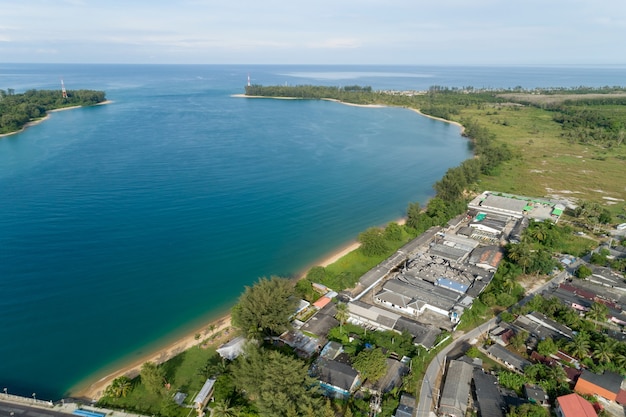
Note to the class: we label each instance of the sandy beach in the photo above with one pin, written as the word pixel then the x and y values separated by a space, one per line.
pixel 96 389
pixel 36 122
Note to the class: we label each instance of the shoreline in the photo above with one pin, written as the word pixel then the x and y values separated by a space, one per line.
pixel 95 390
pixel 374 106
pixel 42 119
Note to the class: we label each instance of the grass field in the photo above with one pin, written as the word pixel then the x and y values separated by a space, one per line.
pixel 546 164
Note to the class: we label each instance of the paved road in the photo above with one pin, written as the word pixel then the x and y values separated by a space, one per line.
pixel 429 393
pixel 11 409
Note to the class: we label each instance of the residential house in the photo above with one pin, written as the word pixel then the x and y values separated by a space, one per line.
pixel 537 395
pixel 501 335
pixel 606 385
pixel 406 407
pixel 456 390
pixel 573 405
pixel 488 397
pixel 510 359
pixel 392 378
pixel 337 380
pixel 232 349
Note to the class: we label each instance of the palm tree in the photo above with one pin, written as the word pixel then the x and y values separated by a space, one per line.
pixel 597 312
pixel 120 387
pixel 342 314
pixel 604 351
pixel 579 346
pixel 521 255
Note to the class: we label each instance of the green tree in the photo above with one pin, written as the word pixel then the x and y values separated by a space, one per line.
pixel 223 408
pixel 547 347
pixel 579 345
pixel 119 387
pixel 342 314
pixel 393 232
pixel 604 351
pixel 371 363
pixel 597 312
pixel 152 377
pixel 520 254
pixel 265 308
pixel 372 242
pixel 413 213
pixel 519 340
pixel 583 272
pixel 279 385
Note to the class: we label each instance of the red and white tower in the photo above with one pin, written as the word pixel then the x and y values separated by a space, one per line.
pixel 63 91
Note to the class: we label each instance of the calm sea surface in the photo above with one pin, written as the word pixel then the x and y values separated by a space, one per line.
pixel 126 224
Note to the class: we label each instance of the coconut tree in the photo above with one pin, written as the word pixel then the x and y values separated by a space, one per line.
pixel 604 351
pixel 597 312
pixel 580 345
pixel 521 255
pixel 342 314
pixel 120 387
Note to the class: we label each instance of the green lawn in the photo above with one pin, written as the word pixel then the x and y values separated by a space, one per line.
pixel 182 373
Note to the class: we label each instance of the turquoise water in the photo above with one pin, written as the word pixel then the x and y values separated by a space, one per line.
pixel 124 223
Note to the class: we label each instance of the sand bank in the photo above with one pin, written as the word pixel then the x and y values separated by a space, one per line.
pixel 95 390
pixel 36 122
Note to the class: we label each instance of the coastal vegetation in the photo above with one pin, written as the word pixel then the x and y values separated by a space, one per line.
pixel 16 110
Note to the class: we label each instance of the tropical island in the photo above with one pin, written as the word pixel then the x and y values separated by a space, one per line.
pixel 534 268
pixel 19 110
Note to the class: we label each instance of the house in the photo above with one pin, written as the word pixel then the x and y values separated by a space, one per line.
pixel 456 389
pixel 488 397
pixel 406 407
pixel 392 378
pixel 304 346
pixel 232 349
pixel 573 405
pixel 501 335
pixel 337 380
pixel 507 357
pixel 203 397
pixel 423 334
pixel 535 394
pixel 606 385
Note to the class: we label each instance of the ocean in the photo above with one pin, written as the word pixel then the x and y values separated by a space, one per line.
pixel 127 224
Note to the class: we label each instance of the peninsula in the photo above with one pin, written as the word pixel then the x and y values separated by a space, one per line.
pixel 18 111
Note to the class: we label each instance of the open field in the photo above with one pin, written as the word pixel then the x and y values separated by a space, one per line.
pixel 546 163
pixel 540 99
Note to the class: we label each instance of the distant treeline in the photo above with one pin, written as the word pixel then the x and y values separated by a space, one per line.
pixel 18 109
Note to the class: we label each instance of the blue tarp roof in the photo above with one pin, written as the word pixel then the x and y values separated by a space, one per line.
pixel 452 285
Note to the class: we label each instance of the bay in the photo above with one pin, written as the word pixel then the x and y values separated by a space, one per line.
pixel 125 224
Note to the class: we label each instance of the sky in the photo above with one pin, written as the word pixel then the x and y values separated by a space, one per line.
pixel 400 32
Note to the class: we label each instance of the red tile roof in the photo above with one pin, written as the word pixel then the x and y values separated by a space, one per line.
pixel 573 405
pixel 323 301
